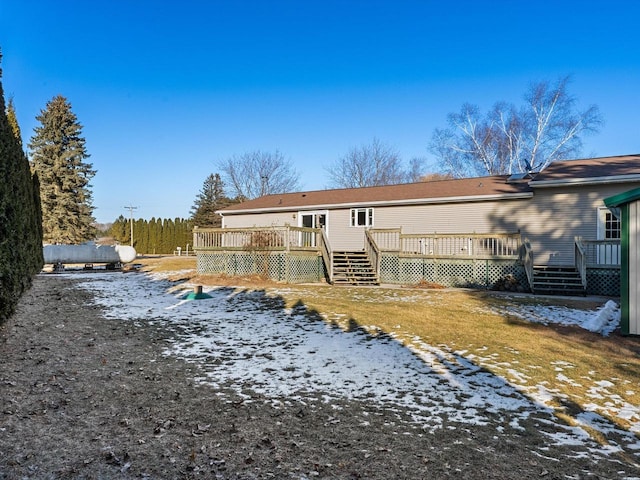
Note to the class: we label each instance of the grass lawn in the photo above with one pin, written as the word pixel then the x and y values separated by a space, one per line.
pixel 567 368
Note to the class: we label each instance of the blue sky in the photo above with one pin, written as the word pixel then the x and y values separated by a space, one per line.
pixel 165 90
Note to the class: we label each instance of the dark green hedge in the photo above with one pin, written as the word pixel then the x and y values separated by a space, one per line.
pixel 155 236
pixel 20 218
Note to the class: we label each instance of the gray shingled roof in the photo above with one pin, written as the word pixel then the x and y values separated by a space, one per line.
pixel 440 190
pixel 576 171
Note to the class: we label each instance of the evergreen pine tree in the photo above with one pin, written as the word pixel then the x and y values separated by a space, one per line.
pixel 184 234
pixel 120 230
pixel 188 234
pixel 210 199
pixel 163 244
pixel 153 236
pixel 58 155
pixel 144 237
pixel 139 231
pixel 167 236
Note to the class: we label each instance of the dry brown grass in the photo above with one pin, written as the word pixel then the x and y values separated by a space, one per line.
pixel 165 263
pixel 472 324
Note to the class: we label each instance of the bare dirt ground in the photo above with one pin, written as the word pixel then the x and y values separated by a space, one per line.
pixel 82 396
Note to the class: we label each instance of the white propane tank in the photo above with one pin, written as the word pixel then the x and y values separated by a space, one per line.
pixel 88 253
pixel 126 253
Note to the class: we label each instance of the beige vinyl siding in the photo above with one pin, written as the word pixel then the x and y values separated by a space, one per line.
pixel 279 219
pixel 469 217
pixel 556 216
pixel 341 234
pixel 550 220
pixel 479 217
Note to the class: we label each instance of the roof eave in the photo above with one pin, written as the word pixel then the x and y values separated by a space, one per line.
pixel 623 198
pixel 412 201
pixel 584 181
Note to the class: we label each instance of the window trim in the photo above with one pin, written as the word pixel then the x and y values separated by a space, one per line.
pixel 603 230
pixel 612 227
pixel 354 215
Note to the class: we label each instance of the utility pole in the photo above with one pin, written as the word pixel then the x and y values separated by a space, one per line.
pixel 131 209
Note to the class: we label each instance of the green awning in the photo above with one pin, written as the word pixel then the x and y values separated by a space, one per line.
pixel 623 198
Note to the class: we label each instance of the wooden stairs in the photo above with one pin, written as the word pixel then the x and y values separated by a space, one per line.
pixel 353 268
pixel 557 280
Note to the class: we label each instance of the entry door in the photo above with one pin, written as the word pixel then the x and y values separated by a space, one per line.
pixel 608 229
pixel 313 220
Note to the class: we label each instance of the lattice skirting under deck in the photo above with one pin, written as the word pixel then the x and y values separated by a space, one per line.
pixel 280 266
pixel 603 281
pixel 302 267
pixel 468 273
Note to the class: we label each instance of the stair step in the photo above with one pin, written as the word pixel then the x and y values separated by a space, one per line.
pixel 559 288
pixel 557 280
pixel 353 268
pixel 557 275
pixel 337 281
pixel 557 284
pixel 556 272
pixel 537 278
pixel 353 272
pixel 554 267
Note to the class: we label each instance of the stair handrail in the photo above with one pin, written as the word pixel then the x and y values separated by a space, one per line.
pixel 580 258
pixel 327 254
pixel 373 251
pixel 527 260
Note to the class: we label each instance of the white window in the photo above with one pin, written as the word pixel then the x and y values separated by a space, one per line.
pixel 608 249
pixel 362 217
pixel 611 226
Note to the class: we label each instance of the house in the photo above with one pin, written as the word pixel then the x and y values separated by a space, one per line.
pixel 547 211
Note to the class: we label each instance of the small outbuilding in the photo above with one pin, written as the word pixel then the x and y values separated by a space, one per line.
pixel 626 206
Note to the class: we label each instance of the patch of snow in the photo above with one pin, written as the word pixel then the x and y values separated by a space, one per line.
pixel 239 339
pixel 605 384
pixel 605 318
pixel 603 321
pixel 563 378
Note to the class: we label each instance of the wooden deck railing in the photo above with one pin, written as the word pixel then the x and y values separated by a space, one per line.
pixel 472 245
pixel 596 254
pixel 256 239
pixel 373 251
pixel 526 256
pixel 601 253
pixel 387 239
pixel 327 254
pixel 580 257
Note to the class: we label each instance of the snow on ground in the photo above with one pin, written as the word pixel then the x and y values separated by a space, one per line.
pixel 604 320
pixel 248 340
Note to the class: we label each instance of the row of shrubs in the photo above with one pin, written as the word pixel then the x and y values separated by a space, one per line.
pixel 20 217
pixel 155 236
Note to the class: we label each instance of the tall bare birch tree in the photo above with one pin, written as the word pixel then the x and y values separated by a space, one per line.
pixel 510 139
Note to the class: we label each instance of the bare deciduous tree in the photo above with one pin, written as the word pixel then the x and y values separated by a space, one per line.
pixel 508 139
pixel 257 173
pixel 371 165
